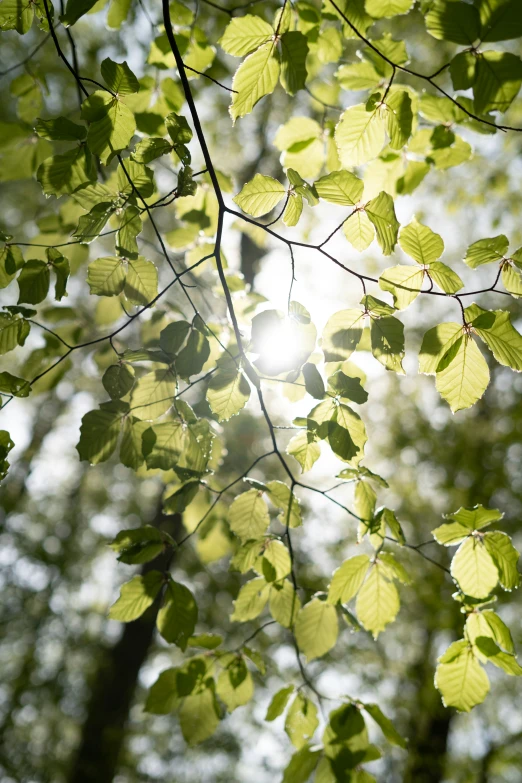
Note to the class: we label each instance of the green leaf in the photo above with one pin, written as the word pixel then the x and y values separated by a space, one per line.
pixel 11 384
pixel 403 282
pixel 314 384
pixel 75 9
pixel 342 335
pixel 377 601
pixel 106 276
pixel 399 118
pixel 294 50
pixel 244 34
pixel 511 279
pixel 347 387
pixel 505 558
pixel 178 614
pixel 256 77
pixel 178 129
pixel 131 454
pixel 278 704
pixel 316 628
pixel 447 157
pixel 60 129
pixel 301 721
pixel 465 521
pixel 497 331
pixel 365 500
pixel 381 212
pixel 208 641
pixel 458 22
pixel 251 600
pixel 276 563
pixel 347 434
pixel 118 380
pixel 459 677
pixel 293 209
pixel 485 251
pixel 386 8
pixel 91 225
pixel 500 20
pixel 228 392
pixel 248 515
pixel 140 545
pixel 387 340
pixel 297 132
pixel 11 260
pixel 118 77
pixel 435 345
pixel 13 332
pixel 393 569
pixel 499 76
pixel 153 394
pixel 118 12
pixel 305 449
pixel 282 498
pixel 487 623
pixel 421 243
pixel 148 150
pixel 340 187
pixel 6 444
pixel 260 195
pixel 180 496
pixel 199 716
pixel 445 278
pixel 141 284
pixel 475 518
pixel 358 76
pixel 134 177
pixel 100 431
pixel 347 579
pixel 385 725
pixel 451 533
pixel 284 603
pixel 62 270
pixel 301 765
pixel 34 281
pixel 462 374
pixel 463 70
pixel 359 230
pixel 498 657
pixel 360 135
pixel 173 336
pixel 355 12
pixel 235 686
pixel 16 15
pixel 163 444
pixel 112 125
pixel 389 518
pixel 474 569
pixel 136 596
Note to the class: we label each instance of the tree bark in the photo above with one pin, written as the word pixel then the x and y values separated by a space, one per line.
pixel 114 686
pixel 430 725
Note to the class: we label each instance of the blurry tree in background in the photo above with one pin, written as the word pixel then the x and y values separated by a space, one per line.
pixel 199 199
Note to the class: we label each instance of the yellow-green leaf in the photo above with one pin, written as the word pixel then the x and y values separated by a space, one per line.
pixel 316 628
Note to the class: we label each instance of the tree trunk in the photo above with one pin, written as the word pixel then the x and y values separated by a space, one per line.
pixel 430 726
pixel 115 683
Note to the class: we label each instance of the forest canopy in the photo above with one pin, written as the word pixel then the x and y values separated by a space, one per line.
pixel 260 338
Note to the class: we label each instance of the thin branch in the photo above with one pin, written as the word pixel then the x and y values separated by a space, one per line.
pixel 26 59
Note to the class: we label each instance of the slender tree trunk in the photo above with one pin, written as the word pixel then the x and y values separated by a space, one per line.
pixel 429 727
pixel 114 686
